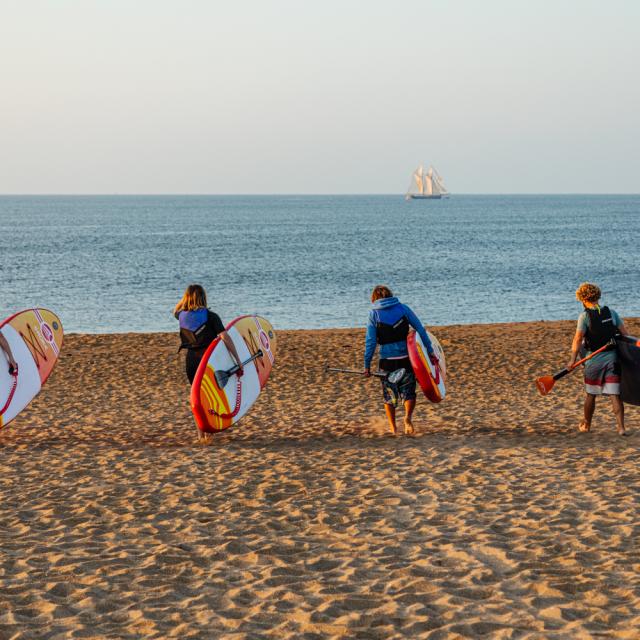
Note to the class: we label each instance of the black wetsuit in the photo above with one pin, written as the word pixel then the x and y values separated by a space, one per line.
pixel 198 329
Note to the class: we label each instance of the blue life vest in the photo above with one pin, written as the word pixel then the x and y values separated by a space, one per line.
pixel 196 332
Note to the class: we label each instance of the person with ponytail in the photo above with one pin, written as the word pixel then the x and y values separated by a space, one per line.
pixel 199 327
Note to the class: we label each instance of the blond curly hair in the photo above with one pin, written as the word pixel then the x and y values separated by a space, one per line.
pixel 588 292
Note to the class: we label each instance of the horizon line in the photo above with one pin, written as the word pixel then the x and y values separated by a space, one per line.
pixel 317 195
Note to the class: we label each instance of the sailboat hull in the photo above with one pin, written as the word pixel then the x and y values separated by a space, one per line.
pixel 417 196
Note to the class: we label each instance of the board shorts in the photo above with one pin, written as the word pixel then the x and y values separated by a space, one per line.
pixel 602 378
pixel 403 390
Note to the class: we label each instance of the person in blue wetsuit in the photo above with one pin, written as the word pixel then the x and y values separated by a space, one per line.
pixel 388 326
pixel 199 327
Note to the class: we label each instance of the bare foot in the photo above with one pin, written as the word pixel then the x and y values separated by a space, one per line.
pixel 584 427
pixel 392 430
pixel 408 428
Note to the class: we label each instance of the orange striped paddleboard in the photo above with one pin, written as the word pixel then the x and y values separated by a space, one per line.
pixel 217 407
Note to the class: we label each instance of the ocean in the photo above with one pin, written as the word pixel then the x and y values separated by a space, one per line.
pixel 109 264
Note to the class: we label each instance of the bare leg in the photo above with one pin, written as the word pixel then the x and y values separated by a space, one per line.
pixel 390 410
pixel 589 408
pixel 409 406
pixel 204 438
pixel 618 410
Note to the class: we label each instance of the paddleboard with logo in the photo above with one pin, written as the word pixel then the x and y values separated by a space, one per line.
pixel 35 337
pixel 219 400
pixel 430 378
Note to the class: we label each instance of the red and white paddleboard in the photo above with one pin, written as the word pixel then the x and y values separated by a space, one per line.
pixel 35 337
pixel 217 407
pixel 430 378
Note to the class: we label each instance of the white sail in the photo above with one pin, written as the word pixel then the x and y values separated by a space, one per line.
pixel 428 185
pixel 438 183
pixel 418 175
pixel 428 182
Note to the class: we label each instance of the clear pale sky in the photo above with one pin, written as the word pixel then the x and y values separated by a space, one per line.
pixel 335 96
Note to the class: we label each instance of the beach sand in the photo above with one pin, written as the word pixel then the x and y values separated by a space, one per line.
pixel 498 520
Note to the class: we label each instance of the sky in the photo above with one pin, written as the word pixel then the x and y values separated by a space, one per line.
pixel 338 96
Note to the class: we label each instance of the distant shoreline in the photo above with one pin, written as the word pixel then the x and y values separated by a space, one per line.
pixel 436 327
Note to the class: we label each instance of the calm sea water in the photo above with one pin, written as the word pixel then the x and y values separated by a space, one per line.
pixel 113 264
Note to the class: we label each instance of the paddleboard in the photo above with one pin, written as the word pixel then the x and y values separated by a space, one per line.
pixel 35 337
pixel 216 408
pixel 629 355
pixel 430 378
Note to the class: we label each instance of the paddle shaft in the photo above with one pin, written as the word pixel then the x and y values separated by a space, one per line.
pixel 377 374
pixel 222 377
pixel 257 354
pixel 629 339
pixel 567 370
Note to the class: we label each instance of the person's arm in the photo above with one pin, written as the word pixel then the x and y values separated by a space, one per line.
pixel 578 339
pixel 7 349
pixel 228 342
pixel 575 347
pixel 370 342
pixel 417 325
pixel 215 323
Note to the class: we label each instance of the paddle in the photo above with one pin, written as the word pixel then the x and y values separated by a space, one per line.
pixel 545 383
pixel 629 339
pixel 222 377
pixel 393 377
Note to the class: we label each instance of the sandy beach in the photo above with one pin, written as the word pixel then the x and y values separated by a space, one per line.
pixel 498 520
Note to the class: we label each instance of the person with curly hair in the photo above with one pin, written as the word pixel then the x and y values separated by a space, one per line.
pixel 388 326
pixel 596 326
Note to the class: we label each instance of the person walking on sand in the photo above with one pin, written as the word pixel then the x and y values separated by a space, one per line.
pixel 596 326
pixel 388 326
pixel 199 327
pixel 4 345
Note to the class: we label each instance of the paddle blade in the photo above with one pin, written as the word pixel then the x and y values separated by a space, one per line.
pixel 222 377
pixel 545 384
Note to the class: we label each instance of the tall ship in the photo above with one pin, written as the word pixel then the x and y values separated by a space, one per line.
pixel 426 185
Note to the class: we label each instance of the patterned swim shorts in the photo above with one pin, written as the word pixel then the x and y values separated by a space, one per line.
pixel 602 378
pixel 403 390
